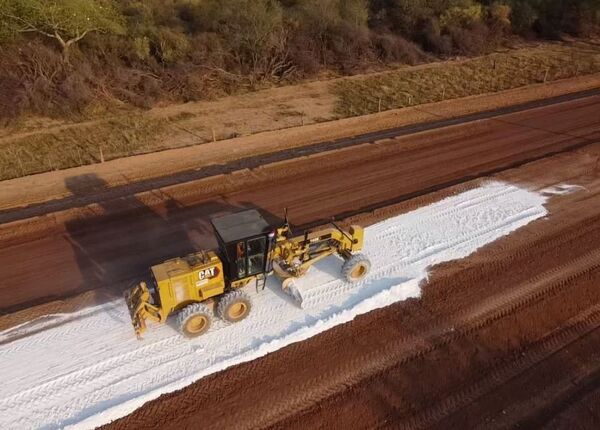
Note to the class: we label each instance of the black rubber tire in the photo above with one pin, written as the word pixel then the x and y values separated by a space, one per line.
pixel 187 315
pixel 228 301
pixel 356 268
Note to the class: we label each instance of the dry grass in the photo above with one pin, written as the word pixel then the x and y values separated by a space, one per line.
pixel 36 147
pixel 492 73
pixel 71 147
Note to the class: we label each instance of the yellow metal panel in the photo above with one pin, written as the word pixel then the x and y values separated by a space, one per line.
pixel 358 236
pixel 193 278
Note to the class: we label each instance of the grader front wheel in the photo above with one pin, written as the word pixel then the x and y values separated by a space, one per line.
pixel 194 320
pixel 234 306
pixel 356 268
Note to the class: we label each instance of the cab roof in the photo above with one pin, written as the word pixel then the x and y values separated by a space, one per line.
pixel 241 225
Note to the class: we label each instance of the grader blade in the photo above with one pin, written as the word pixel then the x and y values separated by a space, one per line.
pixel 287 282
pixel 288 286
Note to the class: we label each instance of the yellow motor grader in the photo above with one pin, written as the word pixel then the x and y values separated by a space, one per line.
pixel 250 249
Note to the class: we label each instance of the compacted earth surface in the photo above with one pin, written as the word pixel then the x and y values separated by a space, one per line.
pixel 507 337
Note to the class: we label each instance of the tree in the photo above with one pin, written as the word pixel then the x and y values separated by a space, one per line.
pixel 523 16
pixel 463 16
pixel 66 21
pixel 253 32
pixel 500 14
pixel 355 12
pixel 406 16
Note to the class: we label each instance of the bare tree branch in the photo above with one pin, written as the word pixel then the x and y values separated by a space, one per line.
pixel 66 22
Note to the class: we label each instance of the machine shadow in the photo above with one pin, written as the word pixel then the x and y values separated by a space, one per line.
pixel 116 244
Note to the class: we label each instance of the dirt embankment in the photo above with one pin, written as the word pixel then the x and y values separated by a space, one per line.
pixel 505 338
pixel 55 185
pixel 41 145
pixel 114 242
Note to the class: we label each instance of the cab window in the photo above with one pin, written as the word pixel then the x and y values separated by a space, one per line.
pixel 256 255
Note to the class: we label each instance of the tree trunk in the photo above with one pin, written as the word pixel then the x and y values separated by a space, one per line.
pixel 66 54
pixel 64 45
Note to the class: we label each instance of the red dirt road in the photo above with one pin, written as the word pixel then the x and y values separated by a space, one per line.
pixel 82 251
pixel 507 338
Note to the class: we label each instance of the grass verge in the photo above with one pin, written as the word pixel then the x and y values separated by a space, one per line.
pixel 78 146
pixel 141 132
pixel 492 73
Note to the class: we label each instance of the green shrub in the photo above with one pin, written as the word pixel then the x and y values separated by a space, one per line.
pixel 139 51
pixel 170 46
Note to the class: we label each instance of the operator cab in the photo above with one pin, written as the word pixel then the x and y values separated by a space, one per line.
pixel 245 240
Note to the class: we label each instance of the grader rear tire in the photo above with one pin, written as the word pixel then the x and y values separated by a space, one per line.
pixel 234 306
pixel 194 320
pixel 356 268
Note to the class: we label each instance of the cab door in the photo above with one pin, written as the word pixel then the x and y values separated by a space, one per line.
pixel 256 250
pixel 250 257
